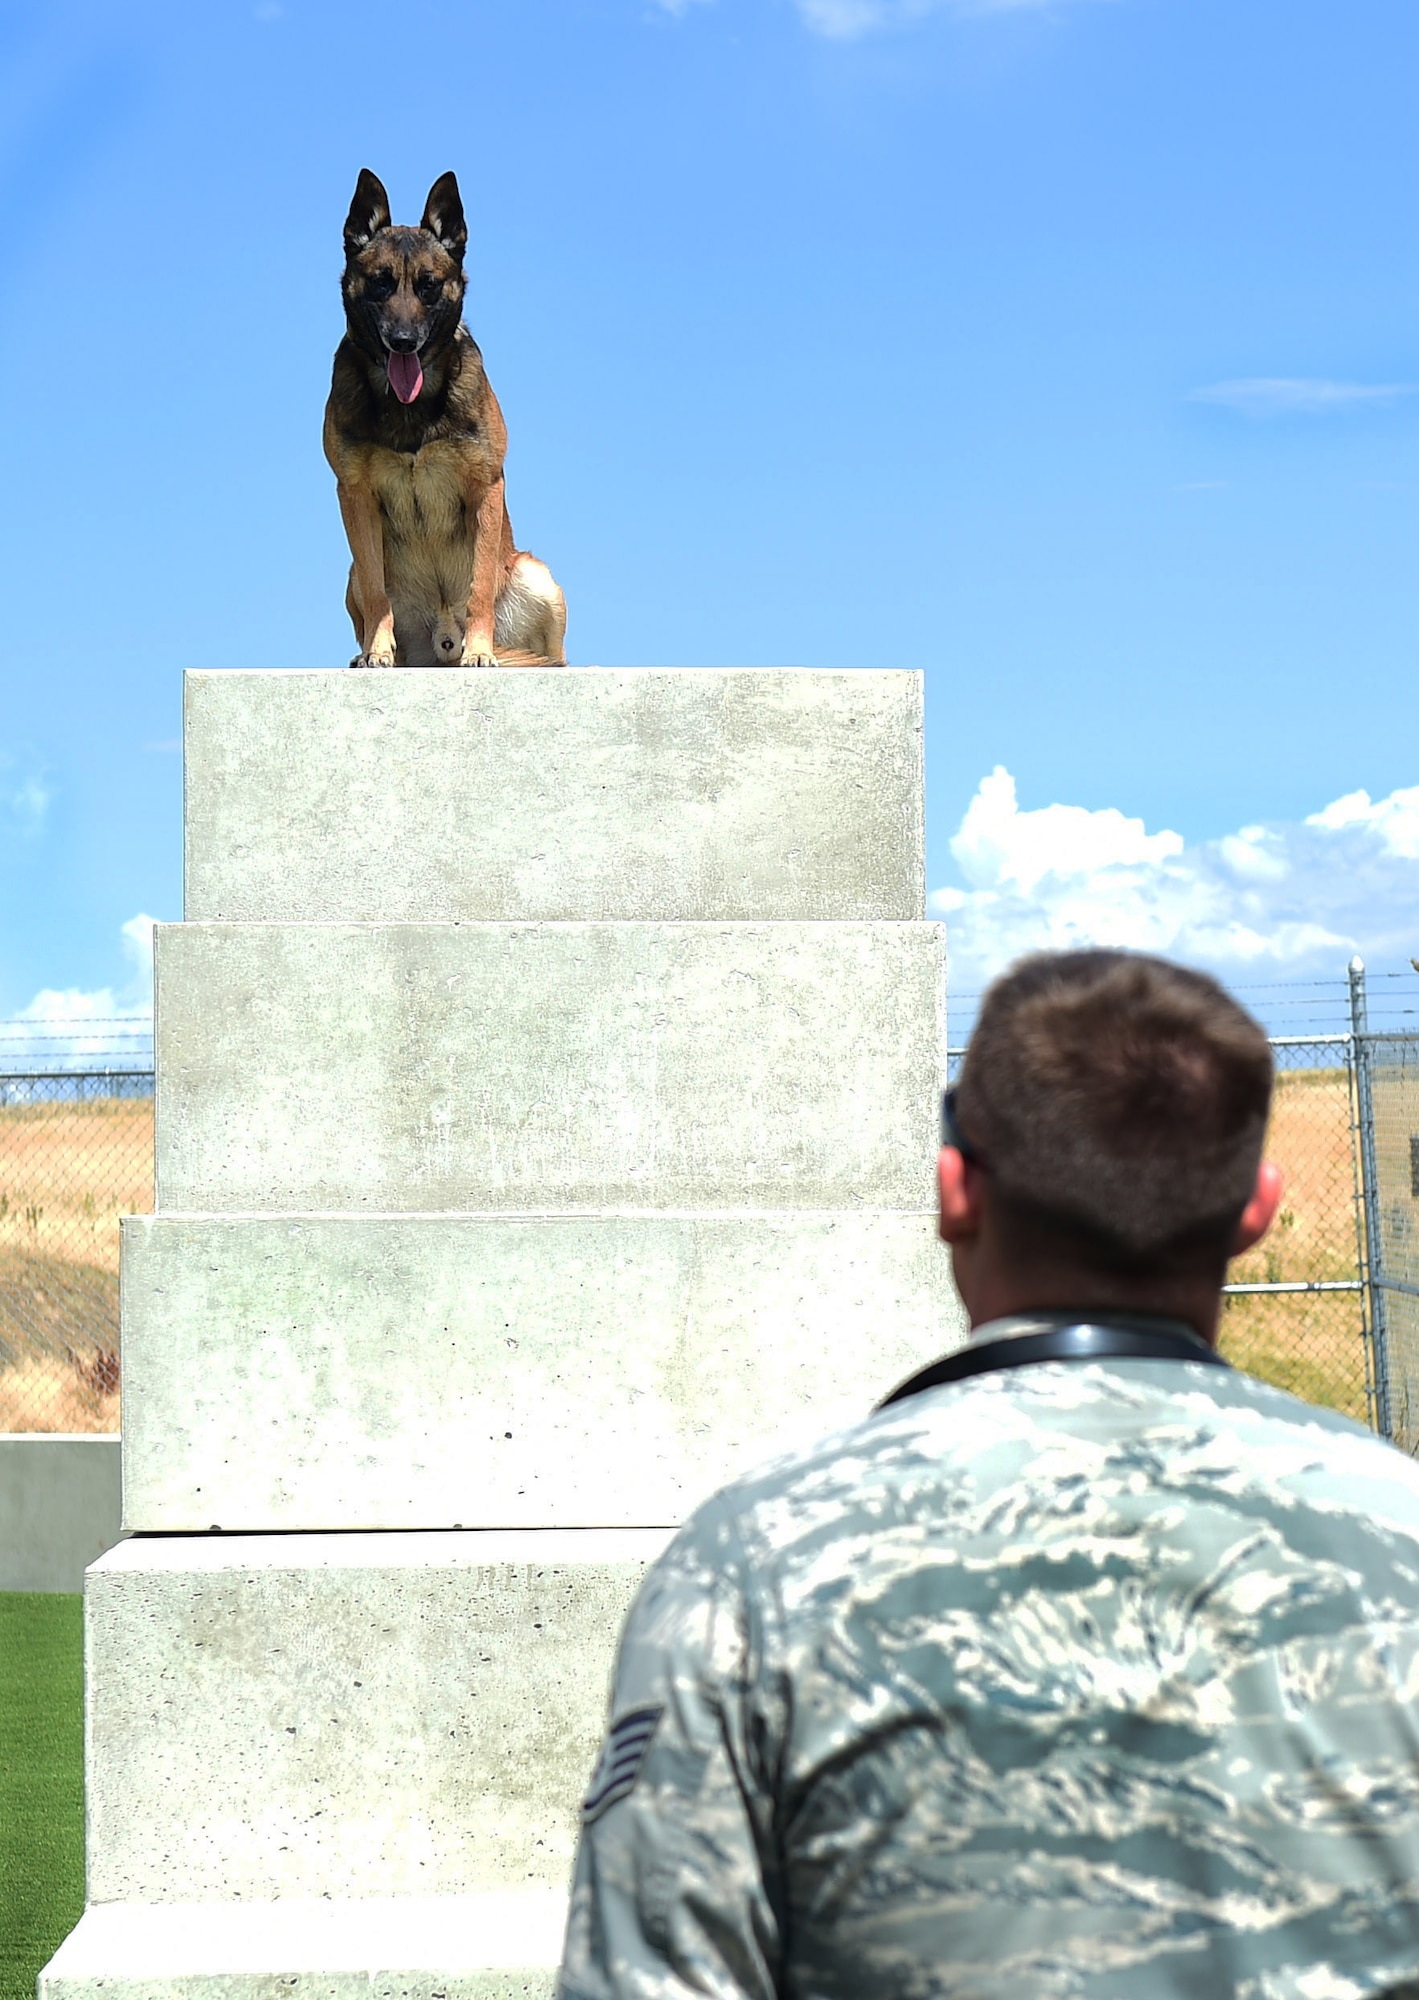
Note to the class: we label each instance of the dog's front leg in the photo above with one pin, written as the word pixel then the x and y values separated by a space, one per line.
pixel 360 512
pixel 487 566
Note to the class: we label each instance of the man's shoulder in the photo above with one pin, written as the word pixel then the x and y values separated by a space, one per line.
pixel 1121 1427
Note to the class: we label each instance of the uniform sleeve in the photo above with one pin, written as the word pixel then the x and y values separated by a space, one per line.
pixel 674 1891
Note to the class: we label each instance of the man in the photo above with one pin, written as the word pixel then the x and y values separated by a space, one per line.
pixel 1091 1670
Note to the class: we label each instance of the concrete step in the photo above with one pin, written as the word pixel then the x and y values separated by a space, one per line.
pixel 546 1066
pixel 425 795
pixel 491 1947
pixel 346 1715
pixel 429 1371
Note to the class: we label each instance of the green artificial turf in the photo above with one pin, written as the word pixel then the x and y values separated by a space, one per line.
pixel 41 1781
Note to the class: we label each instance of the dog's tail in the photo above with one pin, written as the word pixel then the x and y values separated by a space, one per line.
pixel 512 656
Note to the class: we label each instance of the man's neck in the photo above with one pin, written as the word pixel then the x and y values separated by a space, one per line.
pixel 1196 1304
pixel 1014 1326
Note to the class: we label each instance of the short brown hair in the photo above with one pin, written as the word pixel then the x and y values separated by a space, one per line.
pixel 1121 1103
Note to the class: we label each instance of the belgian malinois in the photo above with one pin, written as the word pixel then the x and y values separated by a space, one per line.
pixel 416 440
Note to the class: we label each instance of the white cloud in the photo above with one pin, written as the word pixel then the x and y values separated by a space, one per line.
pixel 998 844
pixel 1255 854
pixel 1395 820
pixel 1287 395
pixel 1284 901
pixel 24 798
pixel 65 1025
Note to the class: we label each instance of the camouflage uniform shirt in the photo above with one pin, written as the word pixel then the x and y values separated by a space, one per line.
pixel 1085 1679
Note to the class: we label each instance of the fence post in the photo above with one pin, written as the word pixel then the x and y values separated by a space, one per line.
pixel 1372 1247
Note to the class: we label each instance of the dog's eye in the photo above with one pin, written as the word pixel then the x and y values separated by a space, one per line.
pixel 380 286
pixel 429 289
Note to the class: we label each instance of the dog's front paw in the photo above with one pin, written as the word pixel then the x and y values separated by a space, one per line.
pixel 378 656
pixel 478 653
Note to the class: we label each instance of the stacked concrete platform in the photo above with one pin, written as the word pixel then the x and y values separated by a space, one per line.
pixel 545 1071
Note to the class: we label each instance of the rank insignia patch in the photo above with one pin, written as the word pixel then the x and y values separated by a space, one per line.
pixel 619 1764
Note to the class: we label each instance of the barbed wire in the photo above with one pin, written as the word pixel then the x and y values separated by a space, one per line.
pixel 122 1043
pixel 1284 1006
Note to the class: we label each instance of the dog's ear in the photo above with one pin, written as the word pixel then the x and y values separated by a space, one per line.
pixel 443 216
pixel 369 212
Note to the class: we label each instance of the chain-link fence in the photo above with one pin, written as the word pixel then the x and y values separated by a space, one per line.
pixel 1327 1305
pixel 1294 1311
pixel 76 1153
pixel 1387 1092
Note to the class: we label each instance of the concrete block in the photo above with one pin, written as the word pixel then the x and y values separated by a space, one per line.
pixel 507 1067
pixel 429 796
pixel 346 1715
pixel 60 1508
pixel 426 1371
pixel 491 1947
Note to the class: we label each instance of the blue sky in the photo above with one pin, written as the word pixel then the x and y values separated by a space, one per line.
pixel 1069 351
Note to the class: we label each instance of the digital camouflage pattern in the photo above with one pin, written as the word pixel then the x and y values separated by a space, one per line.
pixel 1085 1679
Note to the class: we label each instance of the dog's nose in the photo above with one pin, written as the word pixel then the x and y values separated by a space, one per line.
pixel 403 343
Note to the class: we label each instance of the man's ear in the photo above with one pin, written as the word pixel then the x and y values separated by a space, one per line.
pixel 443 216
pixel 1260 1212
pixel 958 1192
pixel 369 212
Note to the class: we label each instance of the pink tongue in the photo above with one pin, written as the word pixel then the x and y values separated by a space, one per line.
pixel 406 377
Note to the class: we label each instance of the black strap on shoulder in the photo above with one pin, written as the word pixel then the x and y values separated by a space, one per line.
pixel 1085 1342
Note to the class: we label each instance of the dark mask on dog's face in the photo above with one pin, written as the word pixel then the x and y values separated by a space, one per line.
pixel 403 288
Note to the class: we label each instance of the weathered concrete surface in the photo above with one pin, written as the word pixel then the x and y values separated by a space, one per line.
pixel 418 1372
pixel 491 1947
pixel 587 1012
pixel 611 792
pixel 346 1715
pixel 60 1508
pixel 515 1066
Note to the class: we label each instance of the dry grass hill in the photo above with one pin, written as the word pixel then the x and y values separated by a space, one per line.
pixel 68 1171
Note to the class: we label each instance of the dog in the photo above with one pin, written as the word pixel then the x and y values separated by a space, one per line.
pixel 416 441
